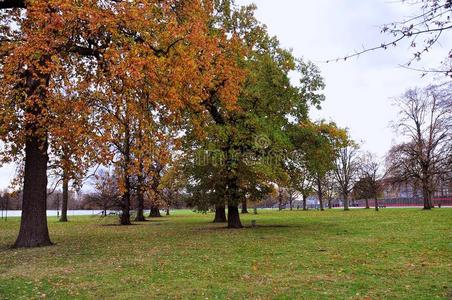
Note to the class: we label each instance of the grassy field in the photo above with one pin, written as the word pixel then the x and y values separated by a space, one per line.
pixel 395 253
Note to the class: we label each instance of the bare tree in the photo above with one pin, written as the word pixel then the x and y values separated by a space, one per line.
pixel 107 194
pixel 330 188
pixel 369 185
pixel 425 120
pixel 346 170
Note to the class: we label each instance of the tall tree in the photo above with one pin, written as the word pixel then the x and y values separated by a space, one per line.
pixel 319 142
pixel 57 48
pixel 43 43
pixel 425 121
pixel 346 170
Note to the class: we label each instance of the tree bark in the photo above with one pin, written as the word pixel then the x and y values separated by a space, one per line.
pixel 376 204
pixel 140 206
pixel 305 207
pixel 140 198
pixel 367 204
pixel 167 210
pixel 33 224
pixel 280 199
pixel 64 203
pixel 320 193
pixel 244 207
pixel 330 205
pixel 155 212
pixel 346 203
pixel 220 214
pixel 234 217
pixel 427 198
pixel 125 203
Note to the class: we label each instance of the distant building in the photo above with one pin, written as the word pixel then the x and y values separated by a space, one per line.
pixel 410 194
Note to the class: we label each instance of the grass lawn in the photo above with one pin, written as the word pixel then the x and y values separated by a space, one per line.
pixel 395 253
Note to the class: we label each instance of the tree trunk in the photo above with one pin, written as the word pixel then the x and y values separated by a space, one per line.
pixel 125 203
pixel 244 207
pixel 33 224
pixel 140 199
pixel 330 205
pixel 155 212
pixel 427 198
pixel 280 200
pixel 320 193
pixel 220 214
pixel 305 207
pixel 167 210
pixel 346 203
pixel 367 204
pixel 234 217
pixel 64 204
pixel 376 204
pixel 291 203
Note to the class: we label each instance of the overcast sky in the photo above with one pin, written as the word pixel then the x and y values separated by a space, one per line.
pixel 359 91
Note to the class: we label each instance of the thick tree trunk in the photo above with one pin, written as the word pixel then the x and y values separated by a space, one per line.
pixel 155 212
pixel 330 205
pixel 244 207
pixel 64 204
pixel 220 214
pixel 291 203
pixel 140 201
pixel 125 200
pixel 367 204
pixel 376 204
pixel 234 217
pixel 427 198
pixel 167 210
pixel 346 202
pixel 33 225
pixel 140 207
pixel 305 206
pixel 125 204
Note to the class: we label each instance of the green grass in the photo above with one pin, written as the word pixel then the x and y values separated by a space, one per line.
pixel 395 253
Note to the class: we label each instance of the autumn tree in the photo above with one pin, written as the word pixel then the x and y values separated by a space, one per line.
pixel 250 141
pixel 102 52
pixel 43 45
pixel 76 146
pixel 425 121
pixel 318 143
